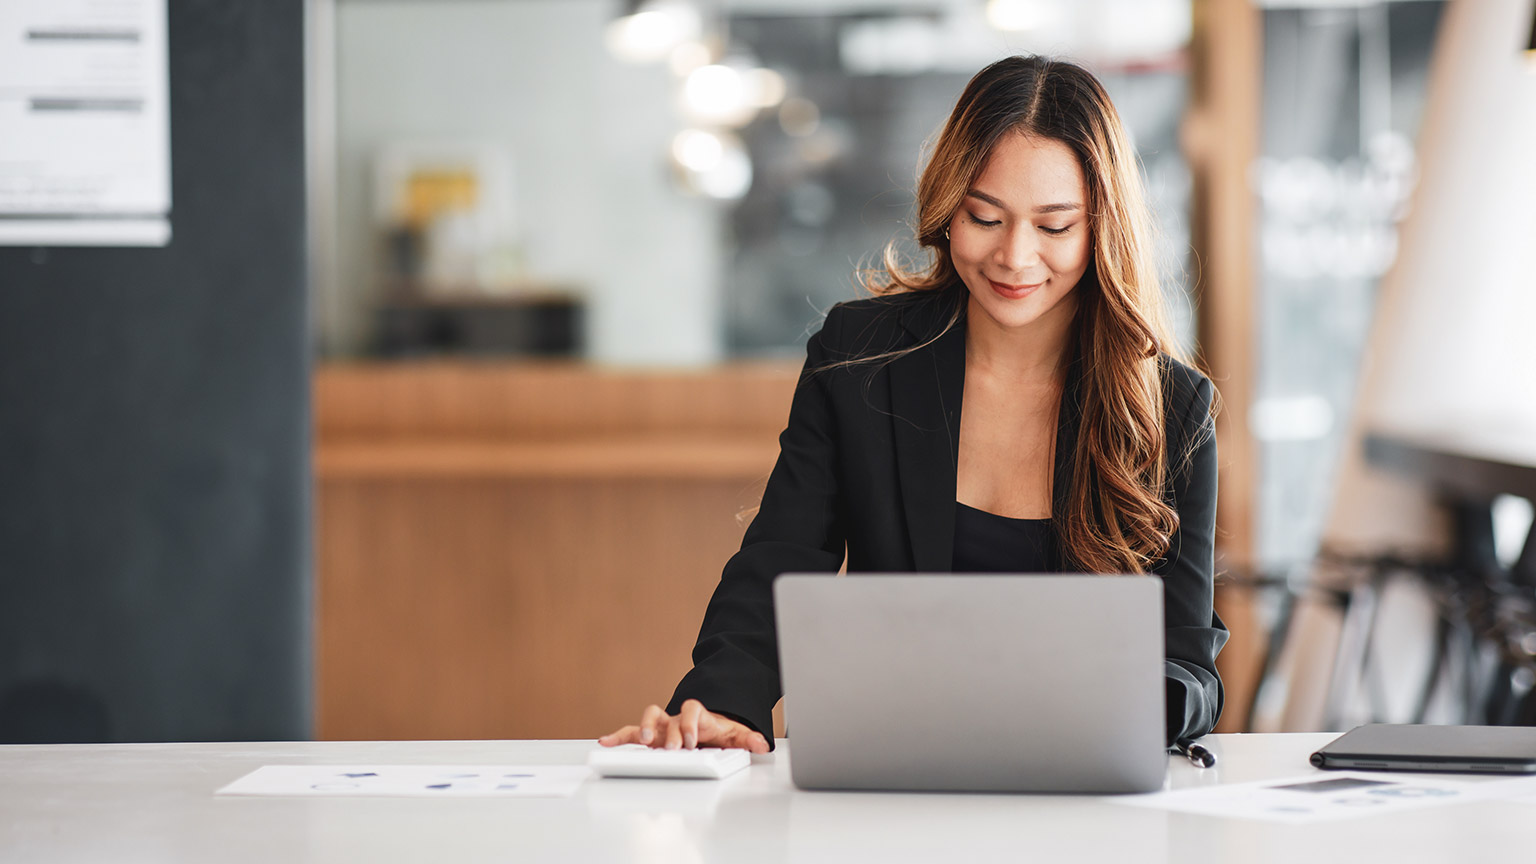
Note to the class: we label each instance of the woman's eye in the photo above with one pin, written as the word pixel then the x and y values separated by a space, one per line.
pixel 1054 231
pixel 982 222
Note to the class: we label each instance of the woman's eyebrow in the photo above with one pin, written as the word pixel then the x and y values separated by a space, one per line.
pixel 1044 208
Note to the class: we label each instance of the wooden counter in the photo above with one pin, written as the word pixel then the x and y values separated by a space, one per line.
pixel 524 550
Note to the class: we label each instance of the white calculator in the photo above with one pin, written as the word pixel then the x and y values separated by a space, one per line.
pixel 638 760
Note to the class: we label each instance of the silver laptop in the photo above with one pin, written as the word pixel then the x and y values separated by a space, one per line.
pixel 1005 683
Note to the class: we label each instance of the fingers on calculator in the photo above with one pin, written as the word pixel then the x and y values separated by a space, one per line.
pixel 693 726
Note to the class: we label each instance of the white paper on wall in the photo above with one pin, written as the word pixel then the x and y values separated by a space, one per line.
pixel 84 123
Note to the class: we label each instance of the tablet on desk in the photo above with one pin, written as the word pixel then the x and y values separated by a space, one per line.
pixel 1457 749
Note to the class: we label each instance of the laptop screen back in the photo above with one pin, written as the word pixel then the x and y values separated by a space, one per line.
pixel 973 683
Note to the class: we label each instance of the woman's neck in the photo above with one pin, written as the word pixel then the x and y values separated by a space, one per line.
pixel 1035 349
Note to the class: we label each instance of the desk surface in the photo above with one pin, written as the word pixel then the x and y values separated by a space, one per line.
pixel 155 802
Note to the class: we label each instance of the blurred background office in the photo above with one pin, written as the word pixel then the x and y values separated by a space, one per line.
pixel 430 398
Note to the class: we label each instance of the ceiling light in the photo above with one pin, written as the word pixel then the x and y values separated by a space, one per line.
pixel 689 56
pixel 765 87
pixel 697 149
pixel 653 31
pixel 718 95
pixel 730 179
pixel 711 163
pixel 1021 14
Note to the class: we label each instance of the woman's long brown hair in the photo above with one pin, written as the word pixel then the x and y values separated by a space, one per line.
pixel 1117 518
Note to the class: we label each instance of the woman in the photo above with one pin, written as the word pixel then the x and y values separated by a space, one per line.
pixel 1012 408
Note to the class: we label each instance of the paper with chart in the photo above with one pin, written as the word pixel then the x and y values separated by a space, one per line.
pixel 85 152
pixel 413 781
pixel 1328 796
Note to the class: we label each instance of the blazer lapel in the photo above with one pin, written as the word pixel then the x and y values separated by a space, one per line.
pixel 926 389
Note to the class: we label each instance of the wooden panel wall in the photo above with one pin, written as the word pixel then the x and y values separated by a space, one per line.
pixel 1221 137
pixel 524 551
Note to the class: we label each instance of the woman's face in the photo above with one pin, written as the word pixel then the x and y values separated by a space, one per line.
pixel 1021 238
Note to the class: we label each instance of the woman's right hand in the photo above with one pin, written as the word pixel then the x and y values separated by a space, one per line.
pixel 692 726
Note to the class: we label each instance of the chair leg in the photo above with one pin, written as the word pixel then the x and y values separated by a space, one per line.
pixel 1524 711
pixel 1273 649
pixel 1349 665
pixel 1437 667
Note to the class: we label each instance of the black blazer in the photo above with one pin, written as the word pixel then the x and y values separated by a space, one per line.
pixel 867 467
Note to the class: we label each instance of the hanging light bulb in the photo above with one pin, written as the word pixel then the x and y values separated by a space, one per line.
pixel 765 87
pixel 1020 14
pixel 712 163
pixel 653 30
pixel 718 95
pixel 730 179
pixel 689 56
pixel 697 150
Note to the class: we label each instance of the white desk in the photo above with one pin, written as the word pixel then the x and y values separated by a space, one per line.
pixel 155 802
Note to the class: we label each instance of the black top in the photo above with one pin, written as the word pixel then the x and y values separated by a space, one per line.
pixel 866 475
pixel 989 543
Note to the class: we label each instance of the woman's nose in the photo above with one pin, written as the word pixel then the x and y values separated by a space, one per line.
pixel 1020 250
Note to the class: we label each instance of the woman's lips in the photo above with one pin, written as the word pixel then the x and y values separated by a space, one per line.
pixel 1014 292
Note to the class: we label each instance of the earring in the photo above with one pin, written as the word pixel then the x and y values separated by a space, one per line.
pixel 946 233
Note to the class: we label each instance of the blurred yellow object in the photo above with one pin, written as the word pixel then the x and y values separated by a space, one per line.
pixel 433 192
